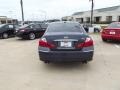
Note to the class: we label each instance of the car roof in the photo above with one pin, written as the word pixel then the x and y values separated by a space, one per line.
pixel 37 23
pixel 68 22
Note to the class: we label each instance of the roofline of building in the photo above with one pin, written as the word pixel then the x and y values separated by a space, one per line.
pixel 3 16
pixel 100 10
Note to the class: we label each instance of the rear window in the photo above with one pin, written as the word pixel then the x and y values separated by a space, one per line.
pixel 44 25
pixel 24 26
pixel 1 25
pixel 114 25
pixel 65 27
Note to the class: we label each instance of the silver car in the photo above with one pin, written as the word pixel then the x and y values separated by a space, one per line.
pixel 66 42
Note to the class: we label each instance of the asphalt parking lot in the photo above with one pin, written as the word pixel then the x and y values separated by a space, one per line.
pixel 20 68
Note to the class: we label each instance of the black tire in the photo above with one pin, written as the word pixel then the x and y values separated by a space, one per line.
pixel 5 35
pixel 46 62
pixel 105 40
pixel 84 62
pixel 32 36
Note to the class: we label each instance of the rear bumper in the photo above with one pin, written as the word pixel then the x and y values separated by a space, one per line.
pixel 63 56
pixel 111 37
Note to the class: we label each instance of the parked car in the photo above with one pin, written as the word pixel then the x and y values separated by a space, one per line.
pixel 31 31
pixel 112 32
pixel 7 30
pixel 86 27
pixel 97 28
pixel 66 42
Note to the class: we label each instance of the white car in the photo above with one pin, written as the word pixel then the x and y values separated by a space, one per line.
pixel 97 28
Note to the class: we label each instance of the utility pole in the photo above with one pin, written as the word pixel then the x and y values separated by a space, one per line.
pixel 92 6
pixel 21 2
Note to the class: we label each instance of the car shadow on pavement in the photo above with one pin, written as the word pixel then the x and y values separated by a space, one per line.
pixel 67 66
pixel 23 40
pixel 113 42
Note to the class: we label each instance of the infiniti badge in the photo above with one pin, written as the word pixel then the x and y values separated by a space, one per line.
pixel 66 37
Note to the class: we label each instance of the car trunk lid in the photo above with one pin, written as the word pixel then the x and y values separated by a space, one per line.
pixel 112 31
pixel 66 42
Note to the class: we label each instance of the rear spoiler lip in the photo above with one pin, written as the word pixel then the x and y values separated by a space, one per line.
pixel 66 40
pixel 111 28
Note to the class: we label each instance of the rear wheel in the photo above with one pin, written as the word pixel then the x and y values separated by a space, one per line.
pixel 31 36
pixel 84 62
pixel 5 35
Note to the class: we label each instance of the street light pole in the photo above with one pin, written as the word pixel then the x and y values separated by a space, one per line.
pixel 92 6
pixel 21 2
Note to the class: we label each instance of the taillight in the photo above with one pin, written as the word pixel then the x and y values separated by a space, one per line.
pixel 43 43
pixel 79 45
pixel 88 42
pixel 103 31
pixel 106 31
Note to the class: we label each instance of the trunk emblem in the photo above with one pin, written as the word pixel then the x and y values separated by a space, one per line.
pixel 66 37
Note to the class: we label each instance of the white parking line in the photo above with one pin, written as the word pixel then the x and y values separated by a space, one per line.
pixel 117 46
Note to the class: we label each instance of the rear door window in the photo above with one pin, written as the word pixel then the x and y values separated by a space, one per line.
pixel 31 26
pixel 6 27
pixel 37 26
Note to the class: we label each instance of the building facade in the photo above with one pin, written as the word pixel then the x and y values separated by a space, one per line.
pixel 104 15
pixel 5 19
pixel 67 18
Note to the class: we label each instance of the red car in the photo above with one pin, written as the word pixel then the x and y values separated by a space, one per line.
pixel 112 32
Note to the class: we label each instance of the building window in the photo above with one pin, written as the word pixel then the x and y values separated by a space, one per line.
pixel 87 19
pixel 97 19
pixel 9 21
pixel 81 20
pixel 109 18
pixel 3 21
pixel 118 18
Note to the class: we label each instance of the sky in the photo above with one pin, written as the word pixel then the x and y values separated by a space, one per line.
pixel 49 9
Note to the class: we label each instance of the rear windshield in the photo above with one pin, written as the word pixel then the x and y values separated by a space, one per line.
pixel 65 27
pixel 1 25
pixel 114 25
pixel 44 25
